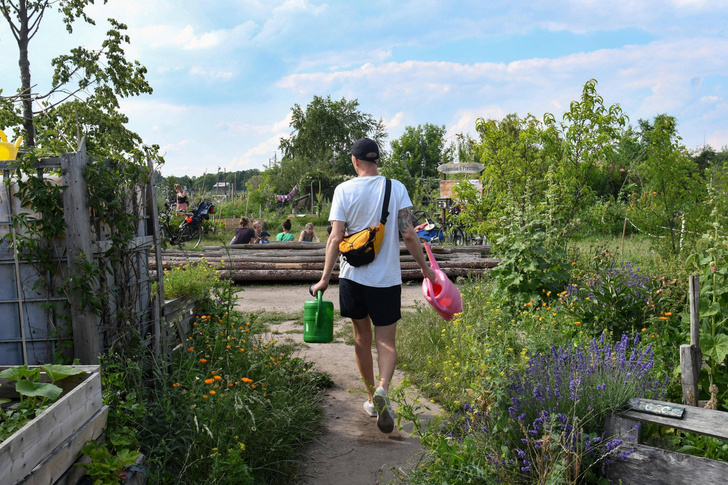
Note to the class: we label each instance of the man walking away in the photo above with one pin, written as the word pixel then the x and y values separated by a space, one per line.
pixel 371 294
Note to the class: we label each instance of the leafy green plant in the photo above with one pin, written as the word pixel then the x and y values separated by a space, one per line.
pixel 35 396
pixel 194 280
pixel 106 468
pixel 618 298
pixel 533 255
pixel 711 260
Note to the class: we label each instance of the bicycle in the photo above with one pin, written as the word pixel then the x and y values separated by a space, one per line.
pixel 190 231
pixel 455 233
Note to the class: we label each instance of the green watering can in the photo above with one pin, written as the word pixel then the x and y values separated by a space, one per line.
pixel 318 320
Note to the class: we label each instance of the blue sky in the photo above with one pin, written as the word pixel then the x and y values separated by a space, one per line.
pixel 226 73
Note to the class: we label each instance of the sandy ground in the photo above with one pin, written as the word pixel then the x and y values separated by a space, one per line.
pixel 351 450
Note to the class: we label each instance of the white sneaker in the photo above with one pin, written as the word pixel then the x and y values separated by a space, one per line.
pixel 370 409
pixel 385 419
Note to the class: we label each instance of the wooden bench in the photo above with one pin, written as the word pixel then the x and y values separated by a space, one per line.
pixel 650 465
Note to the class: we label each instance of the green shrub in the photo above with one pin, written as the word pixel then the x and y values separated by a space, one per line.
pixel 194 280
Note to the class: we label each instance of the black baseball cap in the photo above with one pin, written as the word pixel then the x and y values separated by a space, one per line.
pixel 365 149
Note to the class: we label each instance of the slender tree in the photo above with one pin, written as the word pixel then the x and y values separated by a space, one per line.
pixel 98 77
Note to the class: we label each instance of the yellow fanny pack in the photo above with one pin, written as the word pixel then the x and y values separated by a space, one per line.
pixel 362 247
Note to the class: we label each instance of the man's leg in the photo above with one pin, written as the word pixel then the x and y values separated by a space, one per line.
pixel 363 350
pixel 386 352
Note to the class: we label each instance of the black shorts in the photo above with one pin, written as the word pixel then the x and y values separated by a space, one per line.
pixel 383 305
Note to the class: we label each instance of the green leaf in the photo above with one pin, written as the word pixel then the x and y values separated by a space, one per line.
pixel 20 372
pixel 57 372
pixel 38 389
pixel 715 347
pixel 713 309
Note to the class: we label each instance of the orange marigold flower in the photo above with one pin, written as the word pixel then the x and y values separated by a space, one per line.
pixel 246 379
pixel 212 393
pixel 577 323
pixel 191 349
pixel 205 396
pixel 230 384
pixel 176 384
pixel 644 329
pixel 209 381
pixel 668 314
pixel 203 360
pixel 227 347
pixel 663 318
pixel 217 378
pixel 253 386
pixel 242 349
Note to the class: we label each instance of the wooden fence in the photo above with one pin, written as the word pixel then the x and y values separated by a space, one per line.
pixel 34 307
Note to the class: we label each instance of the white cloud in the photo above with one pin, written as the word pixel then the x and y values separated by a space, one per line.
pixel 252 157
pixel 250 129
pixel 396 122
pixel 224 75
pixel 287 16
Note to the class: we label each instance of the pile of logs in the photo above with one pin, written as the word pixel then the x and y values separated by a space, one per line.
pixel 303 261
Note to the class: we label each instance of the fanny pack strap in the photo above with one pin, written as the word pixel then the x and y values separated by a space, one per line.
pixel 385 205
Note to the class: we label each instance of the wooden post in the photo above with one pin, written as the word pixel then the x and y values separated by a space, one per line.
pixel 78 245
pixel 624 232
pixel 160 340
pixel 691 357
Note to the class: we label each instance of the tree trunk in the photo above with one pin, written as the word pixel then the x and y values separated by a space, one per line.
pixel 24 63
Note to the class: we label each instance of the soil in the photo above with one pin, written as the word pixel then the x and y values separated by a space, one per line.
pixel 351 450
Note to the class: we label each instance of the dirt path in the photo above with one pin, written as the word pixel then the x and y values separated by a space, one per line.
pixel 352 450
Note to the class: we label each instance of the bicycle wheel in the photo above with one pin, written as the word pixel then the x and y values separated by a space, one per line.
pixel 189 237
pixel 457 237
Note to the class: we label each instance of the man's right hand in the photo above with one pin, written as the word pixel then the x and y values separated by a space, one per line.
pixel 320 286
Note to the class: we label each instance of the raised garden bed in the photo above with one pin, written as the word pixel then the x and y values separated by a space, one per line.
pixel 43 449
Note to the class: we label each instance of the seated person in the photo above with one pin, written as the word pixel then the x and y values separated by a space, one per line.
pixel 264 238
pixel 243 234
pixel 258 228
pixel 308 234
pixel 286 234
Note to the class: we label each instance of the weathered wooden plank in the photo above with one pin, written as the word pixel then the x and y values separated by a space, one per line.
pixel 20 453
pixel 695 420
pixel 64 455
pixel 78 243
pixel 653 466
pixel 690 363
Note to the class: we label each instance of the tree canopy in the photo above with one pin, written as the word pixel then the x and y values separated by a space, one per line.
pixel 83 98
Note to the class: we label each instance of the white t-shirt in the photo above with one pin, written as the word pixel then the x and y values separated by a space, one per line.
pixel 358 203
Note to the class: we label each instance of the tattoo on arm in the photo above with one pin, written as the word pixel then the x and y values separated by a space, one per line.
pixel 404 219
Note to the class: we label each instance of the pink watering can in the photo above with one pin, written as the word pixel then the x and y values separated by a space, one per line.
pixel 442 294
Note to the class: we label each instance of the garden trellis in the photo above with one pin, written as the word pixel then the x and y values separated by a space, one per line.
pixel 45 303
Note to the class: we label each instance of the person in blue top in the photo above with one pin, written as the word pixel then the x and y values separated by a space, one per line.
pixel 286 234
pixel 371 294
pixel 308 234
